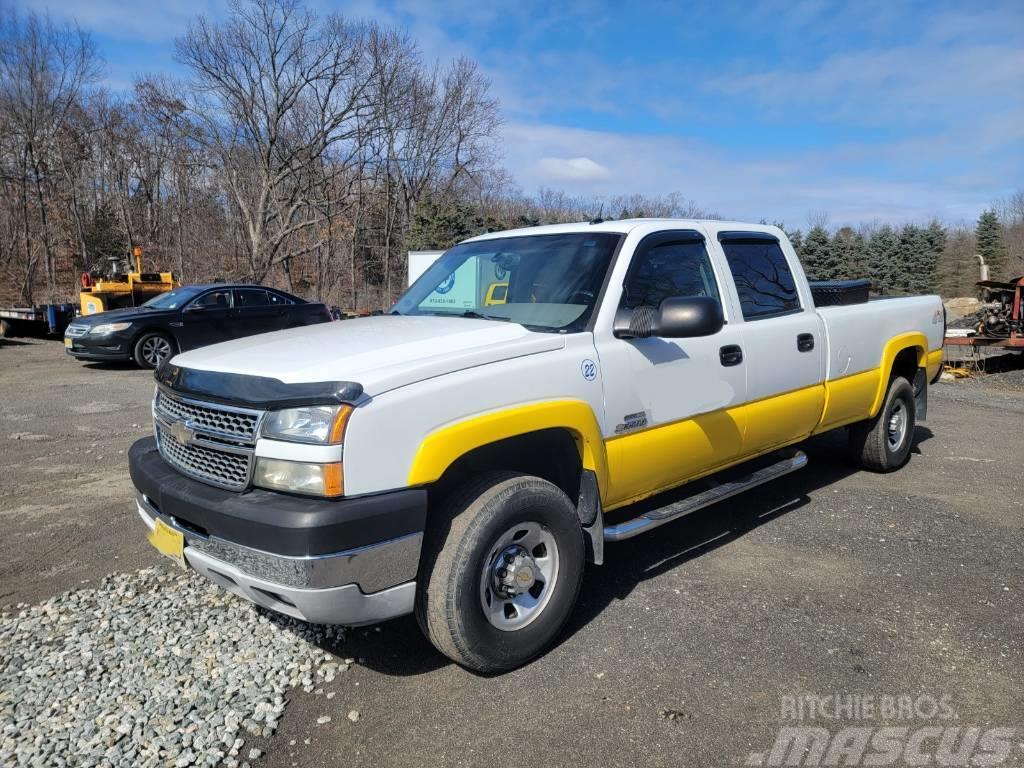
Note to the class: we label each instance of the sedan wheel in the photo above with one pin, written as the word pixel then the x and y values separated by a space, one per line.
pixel 152 349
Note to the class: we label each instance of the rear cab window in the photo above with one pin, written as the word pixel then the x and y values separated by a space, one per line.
pixel 762 275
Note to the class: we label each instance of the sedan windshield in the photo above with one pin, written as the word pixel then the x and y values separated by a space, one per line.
pixel 172 299
pixel 545 282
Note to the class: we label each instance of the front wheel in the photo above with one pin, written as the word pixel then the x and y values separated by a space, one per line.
pixel 151 349
pixel 883 443
pixel 501 571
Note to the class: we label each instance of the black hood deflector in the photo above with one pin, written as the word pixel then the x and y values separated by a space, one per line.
pixel 260 392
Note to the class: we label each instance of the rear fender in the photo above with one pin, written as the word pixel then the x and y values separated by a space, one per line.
pixel 914 340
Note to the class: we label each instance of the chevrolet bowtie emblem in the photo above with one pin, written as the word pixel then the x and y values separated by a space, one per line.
pixel 181 432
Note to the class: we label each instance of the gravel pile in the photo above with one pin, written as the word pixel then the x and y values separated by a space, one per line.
pixel 153 668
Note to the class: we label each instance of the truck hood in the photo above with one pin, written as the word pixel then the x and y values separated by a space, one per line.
pixel 380 353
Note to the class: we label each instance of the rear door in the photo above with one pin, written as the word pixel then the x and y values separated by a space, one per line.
pixel 289 314
pixel 254 313
pixel 783 340
pixel 206 319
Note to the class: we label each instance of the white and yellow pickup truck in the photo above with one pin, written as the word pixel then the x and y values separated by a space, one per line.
pixel 463 459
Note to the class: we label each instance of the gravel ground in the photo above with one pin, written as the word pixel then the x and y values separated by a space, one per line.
pixel 830 580
pixel 119 675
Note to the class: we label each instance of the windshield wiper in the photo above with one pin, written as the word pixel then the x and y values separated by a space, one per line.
pixel 477 316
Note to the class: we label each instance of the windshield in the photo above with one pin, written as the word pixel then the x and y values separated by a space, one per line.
pixel 545 282
pixel 172 299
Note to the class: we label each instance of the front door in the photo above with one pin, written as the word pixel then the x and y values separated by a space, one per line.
pixel 672 404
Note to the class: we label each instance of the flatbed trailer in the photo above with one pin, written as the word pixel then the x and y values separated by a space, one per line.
pixel 40 320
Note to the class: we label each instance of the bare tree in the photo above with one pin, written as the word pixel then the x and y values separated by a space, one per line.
pixel 817 218
pixel 43 69
pixel 274 88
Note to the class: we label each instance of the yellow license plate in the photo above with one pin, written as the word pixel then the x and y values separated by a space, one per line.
pixel 168 541
pixel 67 343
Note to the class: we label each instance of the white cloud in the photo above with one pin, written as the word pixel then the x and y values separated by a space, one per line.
pixel 154 21
pixel 782 186
pixel 574 169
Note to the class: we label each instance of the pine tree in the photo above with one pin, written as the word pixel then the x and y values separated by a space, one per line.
pixel 849 249
pixel 926 279
pixel 909 262
pixel 796 239
pixel 816 255
pixel 881 259
pixel 989 236
pixel 439 224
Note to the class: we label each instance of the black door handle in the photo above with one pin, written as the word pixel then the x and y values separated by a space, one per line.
pixel 805 342
pixel 730 354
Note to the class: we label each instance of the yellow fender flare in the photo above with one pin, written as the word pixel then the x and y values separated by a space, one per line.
pixel 442 447
pixel 913 340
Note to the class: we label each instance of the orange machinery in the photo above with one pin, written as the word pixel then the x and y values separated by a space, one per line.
pixel 116 291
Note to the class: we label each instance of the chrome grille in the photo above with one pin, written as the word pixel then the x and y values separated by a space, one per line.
pixel 218 467
pixel 206 441
pixel 216 419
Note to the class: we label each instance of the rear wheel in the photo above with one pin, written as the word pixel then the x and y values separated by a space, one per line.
pixel 7 329
pixel 152 348
pixel 883 443
pixel 500 572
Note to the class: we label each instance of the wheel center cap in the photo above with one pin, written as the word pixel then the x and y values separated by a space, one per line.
pixel 514 572
pixel 524 577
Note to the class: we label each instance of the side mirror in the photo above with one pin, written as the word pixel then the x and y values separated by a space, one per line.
pixel 677 318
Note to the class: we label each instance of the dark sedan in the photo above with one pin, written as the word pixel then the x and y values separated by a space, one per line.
pixel 186 318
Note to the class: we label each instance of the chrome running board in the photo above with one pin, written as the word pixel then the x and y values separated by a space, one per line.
pixel 717 491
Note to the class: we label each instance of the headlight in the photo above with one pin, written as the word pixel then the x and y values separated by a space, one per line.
pixel 318 424
pixel 299 477
pixel 104 329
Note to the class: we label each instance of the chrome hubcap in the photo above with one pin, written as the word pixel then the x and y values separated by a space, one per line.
pixel 897 430
pixel 155 349
pixel 518 576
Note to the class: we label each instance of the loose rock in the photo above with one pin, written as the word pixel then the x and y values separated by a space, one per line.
pixel 148 668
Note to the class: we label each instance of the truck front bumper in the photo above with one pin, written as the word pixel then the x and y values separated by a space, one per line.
pixel 300 565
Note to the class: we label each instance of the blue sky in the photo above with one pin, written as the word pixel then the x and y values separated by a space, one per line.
pixel 868 111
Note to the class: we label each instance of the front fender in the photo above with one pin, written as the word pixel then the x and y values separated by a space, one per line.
pixel 441 448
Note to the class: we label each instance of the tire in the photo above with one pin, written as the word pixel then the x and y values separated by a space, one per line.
pixel 146 351
pixel 7 329
pixel 883 444
pixel 458 605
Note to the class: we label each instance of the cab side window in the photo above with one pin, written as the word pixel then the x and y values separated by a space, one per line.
pixel 669 269
pixel 762 275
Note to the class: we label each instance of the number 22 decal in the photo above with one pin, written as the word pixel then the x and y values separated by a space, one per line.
pixel 589 369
